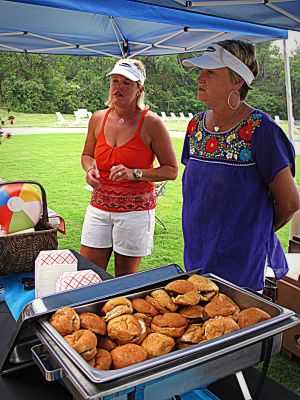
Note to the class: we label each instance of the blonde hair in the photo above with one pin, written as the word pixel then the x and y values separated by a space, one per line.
pixel 140 103
pixel 246 53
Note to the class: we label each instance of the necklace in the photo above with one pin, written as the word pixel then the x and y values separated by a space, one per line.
pixel 218 126
pixel 121 121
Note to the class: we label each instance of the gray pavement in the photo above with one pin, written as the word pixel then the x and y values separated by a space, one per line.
pixel 44 131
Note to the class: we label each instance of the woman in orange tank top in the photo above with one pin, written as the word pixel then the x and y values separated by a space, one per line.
pixel 121 145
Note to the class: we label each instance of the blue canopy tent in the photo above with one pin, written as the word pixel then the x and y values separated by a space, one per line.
pixel 283 14
pixel 119 28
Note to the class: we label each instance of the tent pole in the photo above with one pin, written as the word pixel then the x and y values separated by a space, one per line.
pixel 295 222
pixel 289 101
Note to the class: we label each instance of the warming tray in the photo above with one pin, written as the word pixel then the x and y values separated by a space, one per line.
pixel 192 354
pixel 23 338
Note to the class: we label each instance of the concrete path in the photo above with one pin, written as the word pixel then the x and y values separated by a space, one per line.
pixel 32 130
pixel 44 131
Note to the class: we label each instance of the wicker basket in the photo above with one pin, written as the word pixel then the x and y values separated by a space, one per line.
pixel 19 251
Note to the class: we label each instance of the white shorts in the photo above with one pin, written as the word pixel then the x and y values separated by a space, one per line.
pixel 128 233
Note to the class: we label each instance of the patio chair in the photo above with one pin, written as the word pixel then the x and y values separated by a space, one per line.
pixel 159 191
pixel 191 116
pixel 182 117
pixel 173 117
pixel 79 120
pixel 277 119
pixel 62 121
pixel 82 112
pixel 89 114
pixel 164 117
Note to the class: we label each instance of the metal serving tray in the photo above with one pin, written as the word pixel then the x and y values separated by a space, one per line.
pixel 19 349
pixel 234 340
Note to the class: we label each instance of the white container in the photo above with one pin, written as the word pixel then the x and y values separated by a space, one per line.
pixel 49 265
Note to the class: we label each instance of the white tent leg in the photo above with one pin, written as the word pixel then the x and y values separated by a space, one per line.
pixel 243 385
pixel 295 222
pixel 288 88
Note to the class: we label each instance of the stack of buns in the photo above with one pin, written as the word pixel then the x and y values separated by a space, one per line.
pixel 126 332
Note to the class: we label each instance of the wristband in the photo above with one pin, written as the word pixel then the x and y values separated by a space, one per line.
pixel 88 170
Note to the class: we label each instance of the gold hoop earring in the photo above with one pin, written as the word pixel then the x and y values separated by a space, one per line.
pixel 229 97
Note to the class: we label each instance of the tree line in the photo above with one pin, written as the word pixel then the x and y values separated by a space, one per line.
pixel 50 83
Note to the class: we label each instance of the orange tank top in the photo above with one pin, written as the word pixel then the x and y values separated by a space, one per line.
pixel 125 195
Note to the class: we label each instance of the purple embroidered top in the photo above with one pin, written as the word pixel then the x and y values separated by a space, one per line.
pixel 227 206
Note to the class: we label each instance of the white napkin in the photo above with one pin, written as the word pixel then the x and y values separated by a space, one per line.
pixel 49 265
pixel 76 279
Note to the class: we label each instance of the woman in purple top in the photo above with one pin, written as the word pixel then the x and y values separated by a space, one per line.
pixel 238 186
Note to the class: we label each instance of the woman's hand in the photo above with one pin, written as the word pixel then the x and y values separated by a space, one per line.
pixel 120 172
pixel 92 177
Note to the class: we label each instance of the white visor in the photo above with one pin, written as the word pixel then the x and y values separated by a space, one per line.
pixel 217 57
pixel 129 70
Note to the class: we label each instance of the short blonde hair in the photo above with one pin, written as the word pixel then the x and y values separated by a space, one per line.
pixel 246 53
pixel 140 103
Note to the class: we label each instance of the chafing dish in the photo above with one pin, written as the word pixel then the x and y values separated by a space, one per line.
pixel 239 296
pixel 197 366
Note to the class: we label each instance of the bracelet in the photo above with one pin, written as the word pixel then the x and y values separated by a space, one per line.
pixel 88 170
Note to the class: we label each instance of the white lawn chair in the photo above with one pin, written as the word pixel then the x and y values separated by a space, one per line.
pixel 173 117
pixel 89 114
pixel 62 121
pixel 182 117
pixel 164 117
pixel 79 120
pixel 82 112
pixel 190 116
pixel 277 119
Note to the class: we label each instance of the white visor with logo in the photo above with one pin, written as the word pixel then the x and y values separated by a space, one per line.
pixel 129 70
pixel 215 57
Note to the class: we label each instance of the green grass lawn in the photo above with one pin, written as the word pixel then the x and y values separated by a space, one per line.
pixel 54 161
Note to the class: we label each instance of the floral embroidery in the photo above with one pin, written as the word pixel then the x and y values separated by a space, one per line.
pixel 123 199
pixel 211 145
pixel 234 146
pixel 199 136
pixel 245 155
pixel 246 133
pixel 192 127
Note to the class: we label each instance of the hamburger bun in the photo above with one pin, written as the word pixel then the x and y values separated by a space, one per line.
pixel 92 362
pixel 221 305
pixel 157 344
pixel 128 354
pixel 161 301
pixel 65 321
pixel 169 324
pixel 92 322
pixel 144 332
pixel 144 318
pixel 124 328
pixel 115 307
pixel 193 335
pixel 194 314
pixel 216 327
pixel 251 316
pixel 84 342
pixel 183 345
pixel 183 292
pixel 103 360
pixel 143 306
pixel 206 288
pixel 104 342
